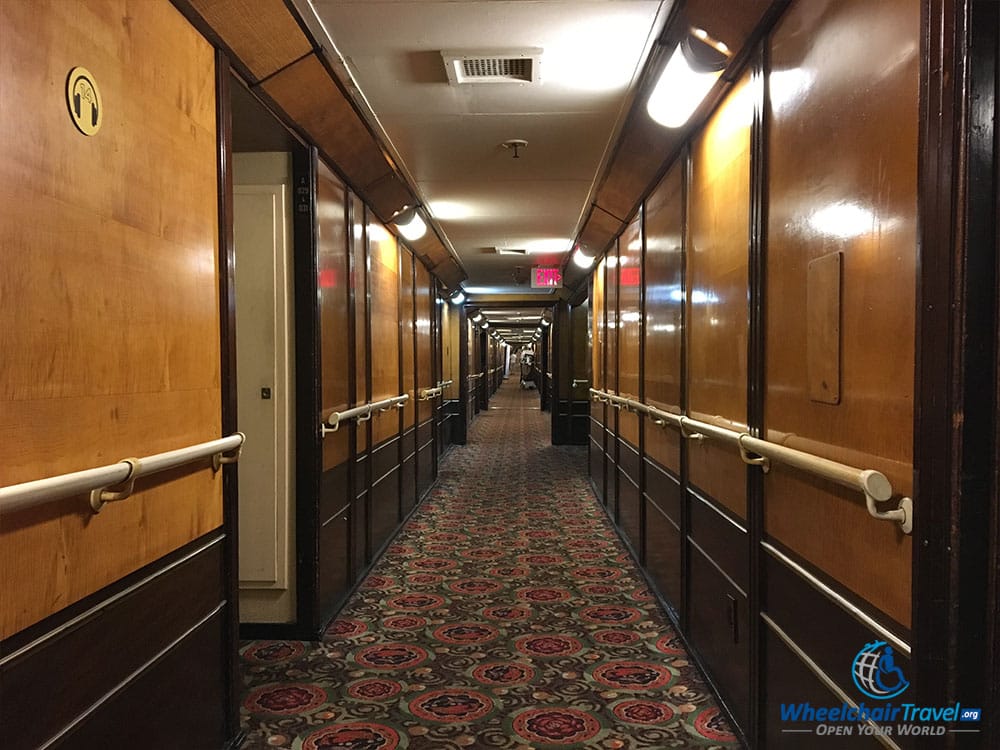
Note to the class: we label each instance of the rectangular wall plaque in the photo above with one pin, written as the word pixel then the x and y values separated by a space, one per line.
pixel 823 302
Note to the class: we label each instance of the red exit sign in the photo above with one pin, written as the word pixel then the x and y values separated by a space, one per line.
pixel 545 278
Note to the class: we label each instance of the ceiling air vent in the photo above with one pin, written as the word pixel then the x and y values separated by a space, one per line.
pixel 493 66
pixel 510 251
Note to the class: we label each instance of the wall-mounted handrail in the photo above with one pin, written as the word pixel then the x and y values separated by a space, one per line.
pixel 874 485
pixel 361 413
pixel 445 383
pixel 116 481
pixel 426 394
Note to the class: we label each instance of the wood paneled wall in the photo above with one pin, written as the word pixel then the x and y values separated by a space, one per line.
pixel 718 314
pixel 629 274
pixel 779 251
pixel 855 203
pixel 374 308
pixel 111 349
pixel 110 291
pixel 384 275
pixel 333 282
pixel 664 313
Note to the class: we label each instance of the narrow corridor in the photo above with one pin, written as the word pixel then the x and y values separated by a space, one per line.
pixel 505 615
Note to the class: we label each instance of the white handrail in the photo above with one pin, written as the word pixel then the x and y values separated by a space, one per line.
pixel 426 394
pixel 874 485
pixel 362 413
pixel 121 475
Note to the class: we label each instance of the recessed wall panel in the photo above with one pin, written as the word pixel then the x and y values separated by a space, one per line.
pixel 717 296
pixel 847 79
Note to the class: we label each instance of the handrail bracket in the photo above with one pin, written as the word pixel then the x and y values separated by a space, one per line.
pixel 103 495
pixel 752 459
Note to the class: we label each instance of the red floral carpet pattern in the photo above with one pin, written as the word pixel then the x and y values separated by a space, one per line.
pixel 505 615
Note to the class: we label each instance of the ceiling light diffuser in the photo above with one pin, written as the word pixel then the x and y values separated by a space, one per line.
pixel 684 83
pixel 410 224
pixel 582 260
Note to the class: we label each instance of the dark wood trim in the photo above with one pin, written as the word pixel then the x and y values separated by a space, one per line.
pixel 642 382
pixel 352 377
pixel 403 251
pixel 986 18
pixel 436 363
pixel 369 431
pixel 685 518
pixel 227 375
pixel 615 413
pixel 308 453
pixel 956 339
pixel 460 431
pixel 981 521
pixel 756 360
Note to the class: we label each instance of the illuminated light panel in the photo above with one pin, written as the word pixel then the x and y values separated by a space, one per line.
pixel 413 229
pixel 582 260
pixel 679 91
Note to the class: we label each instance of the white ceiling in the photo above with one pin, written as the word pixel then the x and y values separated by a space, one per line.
pixel 448 138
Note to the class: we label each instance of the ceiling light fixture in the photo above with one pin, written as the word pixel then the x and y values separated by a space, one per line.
pixel 690 73
pixel 477 317
pixel 581 259
pixel 409 223
pixel 545 322
pixel 458 297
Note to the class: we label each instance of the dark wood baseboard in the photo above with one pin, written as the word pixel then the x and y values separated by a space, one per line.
pixel 119 664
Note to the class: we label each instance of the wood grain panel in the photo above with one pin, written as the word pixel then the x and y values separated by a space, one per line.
pixel 719 619
pixel 359 282
pixel 663 553
pixel 664 280
pixel 857 196
pixel 663 445
pixel 407 328
pixel 599 328
pixel 262 33
pixel 717 282
pixel 611 309
pixel 110 290
pixel 632 170
pixel 629 324
pixel 425 371
pixel 333 285
pixel 823 314
pixel 601 228
pixel 311 99
pixel 384 280
pixel 450 330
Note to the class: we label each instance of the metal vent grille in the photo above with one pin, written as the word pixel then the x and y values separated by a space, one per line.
pixel 515 69
pixel 493 66
pixel 510 251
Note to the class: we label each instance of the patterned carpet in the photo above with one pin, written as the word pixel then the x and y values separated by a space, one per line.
pixel 506 615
